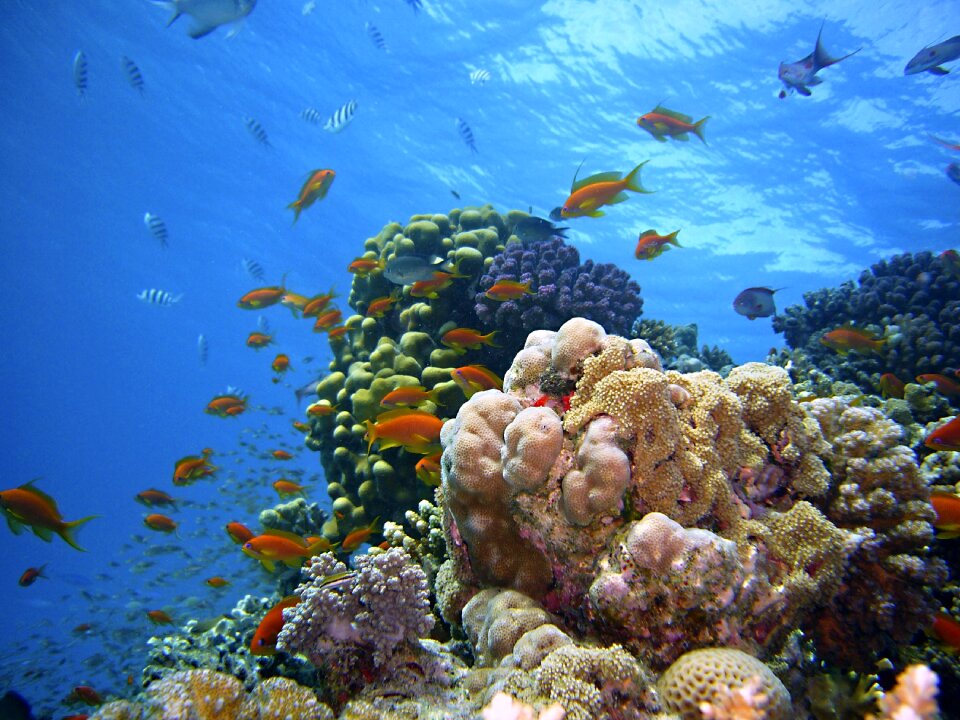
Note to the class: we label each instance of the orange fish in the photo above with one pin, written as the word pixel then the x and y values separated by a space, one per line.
pixel 152 497
pixel 239 532
pixel 409 395
pixel 315 188
pixel 257 340
pixel 362 267
pixel 279 546
pixel 358 537
pixel 474 378
pixel 463 339
pixel 947 630
pixel 84 694
pixel 82 628
pixel 281 363
pixel 301 426
pixel 945 386
pixel 30 576
pixel 891 386
pixel 327 320
pixel 160 523
pixel 414 430
pixel 294 301
pixel 945 437
pixel 229 405
pixel 319 409
pixel 318 304
pixel 428 469
pixel 159 617
pixel 264 641
pixel 587 196
pixel 26 505
pixel 651 245
pixel 431 288
pixel 663 123
pixel 337 333
pixel 262 297
pixel 845 339
pixel 190 468
pixel 281 455
pixel 947 507
pixel 379 307
pixel 509 290
pixel 217 582
pixel 287 487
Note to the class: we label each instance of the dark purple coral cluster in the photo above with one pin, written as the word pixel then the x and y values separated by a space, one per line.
pixel 561 288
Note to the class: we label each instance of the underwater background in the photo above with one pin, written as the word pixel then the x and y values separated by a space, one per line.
pixel 103 392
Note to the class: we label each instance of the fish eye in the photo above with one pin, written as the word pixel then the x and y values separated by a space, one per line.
pixel 248 546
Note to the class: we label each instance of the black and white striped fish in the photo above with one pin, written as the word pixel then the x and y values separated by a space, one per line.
pixel 466 134
pixel 311 115
pixel 256 129
pixel 376 36
pixel 157 227
pixel 80 72
pixel 479 77
pixel 254 269
pixel 342 117
pixel 202 349
pixel 159 297
pixel 134 76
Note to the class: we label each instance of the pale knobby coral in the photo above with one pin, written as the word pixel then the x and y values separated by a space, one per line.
pixel 504 707
pixel 913 698
pixel 494 620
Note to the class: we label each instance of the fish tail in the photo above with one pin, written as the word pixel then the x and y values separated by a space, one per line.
pixel 371 434
pixel 673 239
pixel 698 129
pixel 488 338
pixel 632 180
pixel 66 532
pixel 296 207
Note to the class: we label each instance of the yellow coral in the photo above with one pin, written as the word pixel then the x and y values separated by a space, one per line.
pixel 196 695
pixel 279 698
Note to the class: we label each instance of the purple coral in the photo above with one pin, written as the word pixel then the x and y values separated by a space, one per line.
pixel 358 629
pixel 562 287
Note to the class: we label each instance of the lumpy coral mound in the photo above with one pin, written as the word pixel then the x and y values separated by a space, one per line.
pixel 667 511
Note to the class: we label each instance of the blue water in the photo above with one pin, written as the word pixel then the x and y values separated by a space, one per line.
pixel 103 392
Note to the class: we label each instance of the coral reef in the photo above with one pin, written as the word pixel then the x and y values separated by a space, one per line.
pixel 297 516
pixel 677 347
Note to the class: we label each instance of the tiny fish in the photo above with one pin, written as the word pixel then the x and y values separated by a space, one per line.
pixel 415 4
pixel 202 348
pixel 256 129
pixel 311 115
pixel 376 36
pixel 342 117
pixel 479 77
pixel 254 269
pixel 308 7
pixel 159 297
pixel 157 228
pixel 209 14
pixel 134 76
pixel 466 134
pixel 80 73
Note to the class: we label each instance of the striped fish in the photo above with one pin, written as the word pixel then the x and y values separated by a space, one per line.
pixel 158 297
pixel 256 129
pixel 202 348
pixel 479 77
pixel 134 76
pixel 157 228
pixel 415 4
pixel 80 72
pixel 466 134
pixel 311 115
pixel 342 117
pixel 376 36
pixel 254 269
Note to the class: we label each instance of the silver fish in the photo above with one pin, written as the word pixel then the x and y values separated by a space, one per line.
pixel 307 390
pixel 376 36
pixel 479 77
pixel 342 117
pixel 134 76
pixel 80 72
pixel 256 129
pixel 209 14
pixel 159 297
pixel 202 348
pixel 933 56
pixel 311 115
pixel 157 227
pixel 466 134
pixel 755 302
pixel 408 269
pixel 802 75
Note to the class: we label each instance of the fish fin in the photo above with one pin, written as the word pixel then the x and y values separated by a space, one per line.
pixel 293 562
pixel 66 532
pixel 633 179
pixel 30 488
pixel 660 138
pixel 201 31
pixel 698 129
pixel 822 59
pixel 672 113
pixel 803 90
pixel 270 565
pixel 937 70
pixel 16 527
pixel 596 213
pixel 682 137
pixel 237 27
pixel 45 534
pixel 611 176
pixel 293 537
pixel 172 6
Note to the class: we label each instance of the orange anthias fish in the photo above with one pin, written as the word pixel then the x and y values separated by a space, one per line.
pixel 364 266
pixel 358 537
pixel 663 123
pixel 26 505
pixel 651 244
pixel 30 576
pixel 474 378
pixel 258 340
pixel 286 487
pixel 891 386
pixel 160 523
pixel 294 301
pixel 281 363
pixel 281 455
pixel 428 469
pixel 152 497
pixel 408 395
pixel 431 288
pixel 379 307
pixel 947 507
pixel 845 339
pixel 264 640
pixel 318 304
pixel 327 320
pixel 508 290
pixel 278 546
pixel 337 333
pixel 320 409
pixel 945 386
pixel 159 617
pixel 190 468
pixel 413 430
pixel 315 188
pixel 239 532
pixel 262 297
pixel 229 405
pixel 217 582
pixel 301 426
pixel 945 437
pixel 463 339
pixel 947 630
pixel 587 196
pixel 84 694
